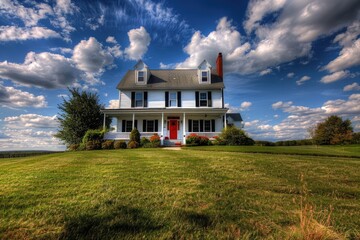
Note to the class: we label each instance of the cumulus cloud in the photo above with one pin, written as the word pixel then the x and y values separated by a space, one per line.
pixel 12 33
pixel 245 105
pixel 334 77
pixel 139 41
pixel 302 80
pixel 113 104
pixel 352 87
pixel 290 75
pixel 265 72
pixel 115 49
pixel 91 57
pixel 11 97
pixel 30 131
pixel 45 69
pixel 111 39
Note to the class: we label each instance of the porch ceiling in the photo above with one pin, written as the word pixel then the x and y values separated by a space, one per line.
pixel 113 112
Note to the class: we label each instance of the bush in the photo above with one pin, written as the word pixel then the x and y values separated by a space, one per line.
pixel 108 144
pixel 82 147
pixel 196 140
pixel 151 145
pixel 218 141
pixel 135 136
pixel 93 135
pixel 144 141
pixel 133 144
pixel 73 147
pixel 264 143
pixel 120 145
pixel 234 136
pixel 93 145
pixel 356 138
pixel 155 138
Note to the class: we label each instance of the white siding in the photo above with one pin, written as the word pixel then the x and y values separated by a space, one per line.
pixel 216 99
pixel 125 99
pixel 156 99
pixel 188 99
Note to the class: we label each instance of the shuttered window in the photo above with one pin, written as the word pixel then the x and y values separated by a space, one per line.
pixel 201 125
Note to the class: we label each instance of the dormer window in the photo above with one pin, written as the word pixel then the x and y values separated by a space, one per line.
pixel 204 76
pixel 141 77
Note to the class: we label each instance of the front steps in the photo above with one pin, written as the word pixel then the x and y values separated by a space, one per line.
pixel 172 143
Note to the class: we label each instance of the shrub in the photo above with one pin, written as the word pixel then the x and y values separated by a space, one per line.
pixel 218 141
pixel 234 136
pixel 73 147
pixel 108 144
pixel 152 145
pixel 82 147
pixel 93 135
pixel 264 143
pixel 155 138
pixel 135 136
pixel 93 145
pixel 133 144
pixel 120 145
pixel 144 141
pixel 196 140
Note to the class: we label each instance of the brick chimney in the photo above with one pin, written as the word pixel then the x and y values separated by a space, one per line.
pixel 219 65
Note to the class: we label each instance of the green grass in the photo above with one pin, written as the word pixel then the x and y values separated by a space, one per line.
pixel 337 151
pixel 163 194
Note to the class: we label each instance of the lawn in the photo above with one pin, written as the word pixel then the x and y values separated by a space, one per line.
pixel 193 193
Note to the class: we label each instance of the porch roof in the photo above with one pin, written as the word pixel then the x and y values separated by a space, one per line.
pixel 163 110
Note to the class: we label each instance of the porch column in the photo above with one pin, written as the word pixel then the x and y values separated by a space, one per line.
pixel 104 125
pixel 162 129
pixel 133 121
pixel 225 120
pixel 184 129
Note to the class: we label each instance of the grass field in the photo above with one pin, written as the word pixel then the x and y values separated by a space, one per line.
pixel 195 193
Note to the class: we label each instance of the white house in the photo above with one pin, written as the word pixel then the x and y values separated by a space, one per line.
pixel 172 103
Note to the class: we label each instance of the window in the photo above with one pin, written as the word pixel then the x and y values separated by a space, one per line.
pixel 150 125
pixel 140 76
pixel 173 99
pixel 195 126
pixel 139 99
pixel 204 76
pixel 203 99
pixel 128 126
pixel 207 125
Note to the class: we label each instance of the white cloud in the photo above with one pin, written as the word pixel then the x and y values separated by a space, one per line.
pixel 45 69
pixel 30 131
pixel 90 57
pixel 245 105
pixel 349 57
pixel 62 50
pixel 113 104
pixel 257 9
pixel 111 39
pixel 334 77
pixel 302 80
pixel 139 41
pixel 339 106
pixel 352 87
pixel 167 66
pixel 12 33
pixel 266 71
pixel 95 23
pixel 11 97
pixel 290 75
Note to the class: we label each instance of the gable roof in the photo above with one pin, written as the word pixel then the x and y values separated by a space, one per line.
pixel 236 117
pixel 173 79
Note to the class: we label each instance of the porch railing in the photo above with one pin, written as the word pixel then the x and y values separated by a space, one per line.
pixel 125 135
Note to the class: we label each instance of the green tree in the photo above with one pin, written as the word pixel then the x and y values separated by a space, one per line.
pixel 79 114
pixel 333 131
pixel 235 136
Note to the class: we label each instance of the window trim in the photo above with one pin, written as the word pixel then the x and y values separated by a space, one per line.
pixel 204 77
pixel 142 99
pixel 173 99
pixel 147 126
pixel 199 127
pixel 126 125
pixel 206 99
pixel 143 76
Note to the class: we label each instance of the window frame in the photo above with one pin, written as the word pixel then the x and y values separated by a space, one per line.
pixel 127 127
pixel 141 77
pixel 173 99
pixel 206 100
pixel 147 126
pixel 141 100
pixel 206 77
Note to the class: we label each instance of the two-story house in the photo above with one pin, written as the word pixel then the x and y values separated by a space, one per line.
pixel 172 103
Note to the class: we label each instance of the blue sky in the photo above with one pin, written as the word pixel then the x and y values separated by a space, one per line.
pixel 288 64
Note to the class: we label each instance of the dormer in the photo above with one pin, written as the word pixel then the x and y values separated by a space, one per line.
pixel 142 73
pixel 204 73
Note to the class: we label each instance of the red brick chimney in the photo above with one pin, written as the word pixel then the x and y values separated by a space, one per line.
pixel 219 65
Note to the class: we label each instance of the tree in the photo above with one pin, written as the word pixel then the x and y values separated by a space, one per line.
pixel 79 114
pixel 333 131
pixel 234 136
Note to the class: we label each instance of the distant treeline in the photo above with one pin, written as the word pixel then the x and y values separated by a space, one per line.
pixel 15 154
pixel 285 143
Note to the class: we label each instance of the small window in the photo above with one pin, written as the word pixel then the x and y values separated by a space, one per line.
pixel 128 126
pixel 195 126
pixel 203 99
pixel 204 76
pixel 140 76
pixel 139 101
pixel 173 99
pixel 150 126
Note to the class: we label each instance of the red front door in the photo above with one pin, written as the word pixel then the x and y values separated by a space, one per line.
pixel 173 129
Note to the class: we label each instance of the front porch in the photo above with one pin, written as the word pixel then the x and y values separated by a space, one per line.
pixel 170 124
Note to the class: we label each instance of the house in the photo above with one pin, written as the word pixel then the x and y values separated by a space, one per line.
pixel 172 103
